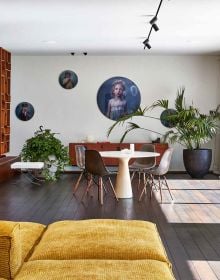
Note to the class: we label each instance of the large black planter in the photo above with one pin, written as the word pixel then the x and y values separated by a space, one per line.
pixel 197 162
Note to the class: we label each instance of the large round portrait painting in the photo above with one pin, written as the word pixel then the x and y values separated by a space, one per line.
pixel 117 97
pixel 24 111
pixel 68 79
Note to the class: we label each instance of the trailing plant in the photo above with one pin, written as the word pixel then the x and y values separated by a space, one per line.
pixel 190 127
pixel 45 147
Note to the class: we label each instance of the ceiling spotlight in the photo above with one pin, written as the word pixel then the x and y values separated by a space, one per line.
pixel 85 53
pixel 155 27
pixel 146 44
pixel 72 53
pixel 153 20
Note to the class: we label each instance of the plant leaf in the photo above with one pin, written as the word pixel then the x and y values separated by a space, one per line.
pixel 179 102
pixel 160 103
pixel 122 120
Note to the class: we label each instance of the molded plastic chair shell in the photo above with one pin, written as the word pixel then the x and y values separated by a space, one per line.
pixel 164 164
pixel 80 162
pixel 94 163
pixel 95 166
pixel 144 163
pixel 80 156
pixel 141 165
pixel 159 171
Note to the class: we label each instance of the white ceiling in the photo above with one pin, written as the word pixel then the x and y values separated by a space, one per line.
pixel 109 26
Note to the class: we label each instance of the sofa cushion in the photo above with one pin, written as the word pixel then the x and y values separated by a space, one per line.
pixel 95 269
pixel 10 257
pixel 16 241
pixel 30 234
pixel 100 239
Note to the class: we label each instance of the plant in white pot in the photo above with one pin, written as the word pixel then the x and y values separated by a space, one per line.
pixel 187 126
pixel 45 147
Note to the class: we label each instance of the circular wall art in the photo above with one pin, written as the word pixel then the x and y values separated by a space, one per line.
pixel 68 79
pixel 164 118
pixel 24 111
pixel 117 97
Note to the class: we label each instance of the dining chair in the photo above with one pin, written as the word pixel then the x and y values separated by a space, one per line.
pixel 157 175
pixel 95 166
pixel 80 162
pixel 141 165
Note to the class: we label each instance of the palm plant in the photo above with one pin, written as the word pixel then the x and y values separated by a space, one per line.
pixel 131 125
pixel 190 127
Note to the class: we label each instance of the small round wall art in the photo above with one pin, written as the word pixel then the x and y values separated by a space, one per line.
pixel 117 97
pixel 164 118
pixel 68 79
pixel 24 111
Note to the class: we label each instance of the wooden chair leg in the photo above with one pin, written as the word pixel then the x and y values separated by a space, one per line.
pixel 160 188
pixel 143 191
pixel 77 183
pixel 145 181
pixel 87 188
pixel 152 184
pixel 112 188
pixel 104 188
pixel 132 176
pixel 139 179
pixel 165 179
pixel 101 190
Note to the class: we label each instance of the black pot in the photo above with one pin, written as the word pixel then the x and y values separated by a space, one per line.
pixel 197 162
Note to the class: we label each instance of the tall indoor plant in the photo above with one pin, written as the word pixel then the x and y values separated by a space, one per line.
pixel 45 147
pixel 188 126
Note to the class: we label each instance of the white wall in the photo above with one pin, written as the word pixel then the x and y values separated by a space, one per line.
pixel 74 113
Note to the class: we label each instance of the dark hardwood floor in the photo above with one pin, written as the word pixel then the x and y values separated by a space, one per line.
pixel 189 227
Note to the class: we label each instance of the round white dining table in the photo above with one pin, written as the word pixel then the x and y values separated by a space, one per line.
pixel 123 187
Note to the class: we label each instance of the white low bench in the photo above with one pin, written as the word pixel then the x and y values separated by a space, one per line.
pixel 29 167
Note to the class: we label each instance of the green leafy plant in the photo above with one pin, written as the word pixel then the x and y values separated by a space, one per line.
pixel 131 125
pixel 45 147
pixel 191 128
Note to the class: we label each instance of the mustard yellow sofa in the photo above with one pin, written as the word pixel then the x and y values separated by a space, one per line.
pixel 87 249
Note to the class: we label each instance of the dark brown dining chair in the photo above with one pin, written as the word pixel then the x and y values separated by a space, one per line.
pixel 95 166
pixel 157 175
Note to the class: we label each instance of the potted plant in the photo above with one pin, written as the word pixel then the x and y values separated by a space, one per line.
pixel 188 127
pixel 44 146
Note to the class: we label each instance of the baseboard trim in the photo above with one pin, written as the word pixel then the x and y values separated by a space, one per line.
pixel 169 172
pixel 177 172
pixel 184 172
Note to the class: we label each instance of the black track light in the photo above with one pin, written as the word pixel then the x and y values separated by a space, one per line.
pixel 85 53
pixel 147 44
pixel 72 53
pixel 153 20
pixel 155 27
